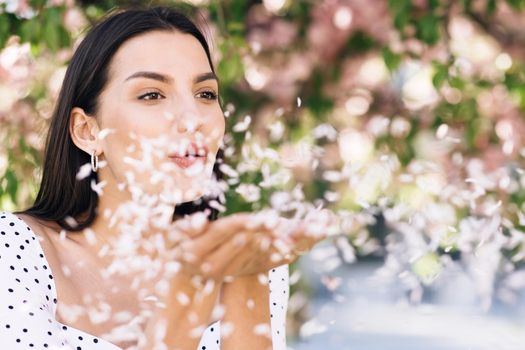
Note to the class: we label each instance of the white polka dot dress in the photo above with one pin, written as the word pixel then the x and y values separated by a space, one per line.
pixel 279 291
pixel 28 299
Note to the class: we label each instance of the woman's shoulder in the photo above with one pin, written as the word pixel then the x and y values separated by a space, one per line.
pixel 28 294
pixel 26 233
pixel 26 273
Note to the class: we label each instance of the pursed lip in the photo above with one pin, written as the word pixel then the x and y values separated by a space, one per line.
pixel 192 151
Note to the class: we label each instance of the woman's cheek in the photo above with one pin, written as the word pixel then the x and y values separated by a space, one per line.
pixel 219 125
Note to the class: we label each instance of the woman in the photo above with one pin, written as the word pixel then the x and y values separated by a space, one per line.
pixel 98 260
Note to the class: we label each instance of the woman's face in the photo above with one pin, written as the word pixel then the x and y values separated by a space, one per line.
pixel 160 115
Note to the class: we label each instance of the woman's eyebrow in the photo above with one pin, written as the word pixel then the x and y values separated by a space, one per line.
pixel 167 79
pixel 205 76
pixel 150 75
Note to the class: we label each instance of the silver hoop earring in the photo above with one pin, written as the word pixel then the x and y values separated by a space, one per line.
pixel 94 162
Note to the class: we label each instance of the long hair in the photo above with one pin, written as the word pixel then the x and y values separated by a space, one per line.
pixel 61 195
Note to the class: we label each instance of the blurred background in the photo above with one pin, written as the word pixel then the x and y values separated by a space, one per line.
pixel 405 117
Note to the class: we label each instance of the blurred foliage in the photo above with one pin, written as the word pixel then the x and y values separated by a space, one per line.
pixel 452 93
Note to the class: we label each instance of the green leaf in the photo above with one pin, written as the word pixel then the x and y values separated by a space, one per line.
pixel 440 75
pixel 51 21
pixel 517 4
pixel 427 29
pixel 491 7
pixel 30 31
pixel 316 101
pixel 392 60
pixel 12 184
pixel 359 42
pixel 37 3
pixel 397 6
pixel 235 28
pixel 433 4
pixel 4 28
pixel 401 12
pixel 457 83
pixel 467 5
pixel 231 68
pixel 54 33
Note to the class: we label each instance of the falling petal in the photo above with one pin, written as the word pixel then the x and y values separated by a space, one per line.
pixel 243 125
pixel 84 171
pixel 97 187
pixel 312 327
pixel 262 278
pixel 183 298
pixel 263 329
pixel 331 283
pixel 105 132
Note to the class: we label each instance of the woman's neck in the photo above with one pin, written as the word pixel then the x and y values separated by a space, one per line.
pixel 128 228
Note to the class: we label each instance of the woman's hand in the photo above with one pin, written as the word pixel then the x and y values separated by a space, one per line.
pixel 246 244
pixel 240 246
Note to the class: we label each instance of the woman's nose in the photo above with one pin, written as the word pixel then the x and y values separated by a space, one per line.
pixel 189 120
pixel 190 123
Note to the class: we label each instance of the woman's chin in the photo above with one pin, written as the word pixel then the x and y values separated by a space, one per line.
pixel 192 195
pixel 182 195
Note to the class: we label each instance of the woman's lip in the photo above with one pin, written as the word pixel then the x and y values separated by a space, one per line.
pixel 191 149
pixel 186 162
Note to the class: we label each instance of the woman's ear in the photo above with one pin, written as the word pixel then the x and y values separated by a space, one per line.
pixel 84 130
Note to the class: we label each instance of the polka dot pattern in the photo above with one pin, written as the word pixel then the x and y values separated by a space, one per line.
pixel 279 292
pixel 29 299
pixel 28 296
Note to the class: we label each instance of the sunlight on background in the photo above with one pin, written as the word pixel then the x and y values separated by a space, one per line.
pixel 406 121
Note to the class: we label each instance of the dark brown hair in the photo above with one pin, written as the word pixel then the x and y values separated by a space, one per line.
pixel 61 195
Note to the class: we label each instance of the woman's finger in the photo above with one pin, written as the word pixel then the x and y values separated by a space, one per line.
pixel 217 233
pixel 192 249
pixel 259 257
pixel 192 225
pixel 215 263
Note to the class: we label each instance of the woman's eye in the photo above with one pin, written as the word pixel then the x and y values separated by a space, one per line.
pixel 208 95
pixel 151 96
